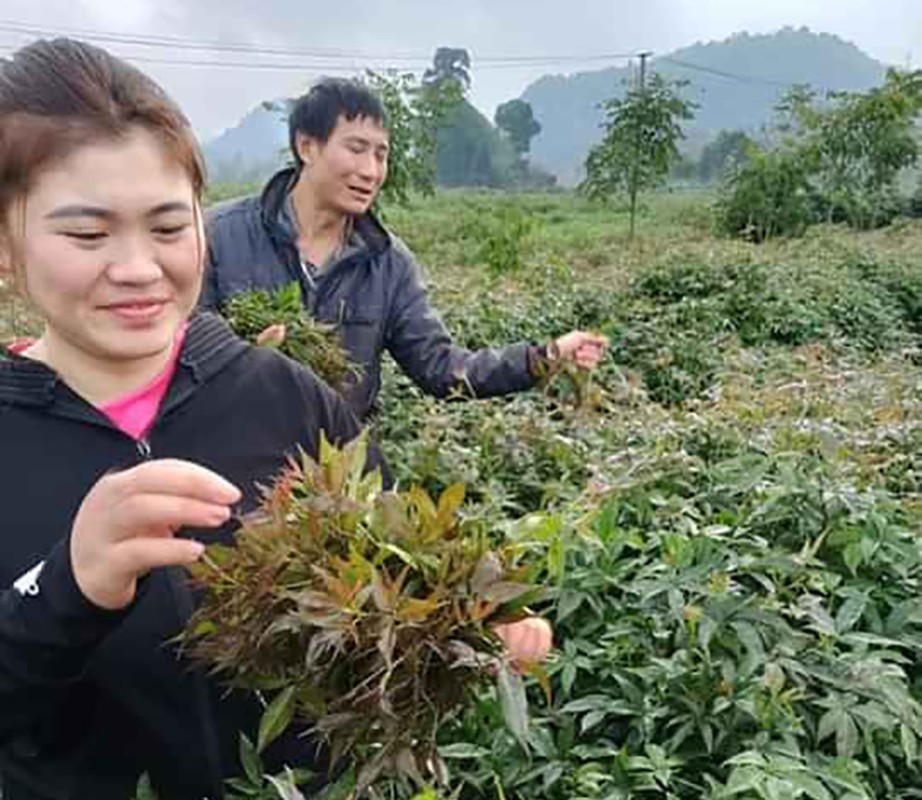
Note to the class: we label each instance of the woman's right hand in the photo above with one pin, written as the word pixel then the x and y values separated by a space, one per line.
pixel 126 524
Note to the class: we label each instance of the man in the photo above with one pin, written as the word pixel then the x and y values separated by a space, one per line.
pixel 313 224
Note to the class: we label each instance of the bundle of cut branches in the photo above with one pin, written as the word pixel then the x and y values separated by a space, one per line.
pixel 367 612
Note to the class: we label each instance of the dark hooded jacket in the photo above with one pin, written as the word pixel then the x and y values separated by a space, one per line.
pixel 374 293
pixel 92 699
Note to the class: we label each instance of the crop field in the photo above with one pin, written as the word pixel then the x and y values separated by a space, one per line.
pixel 729 509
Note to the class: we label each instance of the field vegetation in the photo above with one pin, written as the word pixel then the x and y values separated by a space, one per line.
pixel 727 514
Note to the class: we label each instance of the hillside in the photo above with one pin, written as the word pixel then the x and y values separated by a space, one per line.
pixel 736 82
pixel 252 149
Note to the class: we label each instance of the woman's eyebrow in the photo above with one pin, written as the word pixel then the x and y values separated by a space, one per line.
pixel 67 212
pixel 97 212
pixel 167 208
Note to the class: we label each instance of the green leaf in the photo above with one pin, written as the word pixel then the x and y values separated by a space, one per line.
pixel 592 702
pixel 829 724
pixel 850 612
pixel 145 789
pixel 570 600
pixel 847 737
pixel 514 702
pixel 742 779
pixel 752 642
pixel 853 557
pixel 249 760
pixel 813 788
pixel 909 743
pixel 285 788
pixel 426 794
pixel 276 718
pixel 463 750
pixel 592 719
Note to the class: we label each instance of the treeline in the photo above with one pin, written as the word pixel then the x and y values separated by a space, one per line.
pixel 838 158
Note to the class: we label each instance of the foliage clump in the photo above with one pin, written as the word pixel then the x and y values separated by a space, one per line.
pixel 838 160
pixel 307 341
pixel 367 611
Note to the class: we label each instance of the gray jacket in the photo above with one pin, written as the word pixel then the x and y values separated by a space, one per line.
pixel 374 294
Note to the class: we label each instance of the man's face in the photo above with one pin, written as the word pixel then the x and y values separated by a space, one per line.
pixel 347 171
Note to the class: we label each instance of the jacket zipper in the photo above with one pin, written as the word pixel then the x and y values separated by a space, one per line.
pixel 202 700
pixel 143 448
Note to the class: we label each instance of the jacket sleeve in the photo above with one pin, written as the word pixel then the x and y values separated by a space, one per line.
pixel 421 345
pixel 208 297
pixel 48 631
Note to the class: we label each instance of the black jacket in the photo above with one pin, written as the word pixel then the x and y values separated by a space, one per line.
pixel 91 699
pixel 376 295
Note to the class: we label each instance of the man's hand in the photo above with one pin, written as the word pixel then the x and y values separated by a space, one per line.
pixel 582 348
pixel 273 336
pixel 127 523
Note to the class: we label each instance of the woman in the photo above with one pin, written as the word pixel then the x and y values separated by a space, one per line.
pixel 129 419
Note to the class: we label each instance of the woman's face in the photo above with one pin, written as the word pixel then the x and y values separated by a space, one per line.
pixel 109 245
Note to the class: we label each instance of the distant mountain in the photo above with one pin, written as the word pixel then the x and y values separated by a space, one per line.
pixel 736 82
pixel 253 149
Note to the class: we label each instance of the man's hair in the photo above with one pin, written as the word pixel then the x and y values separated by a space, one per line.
pixel 316 113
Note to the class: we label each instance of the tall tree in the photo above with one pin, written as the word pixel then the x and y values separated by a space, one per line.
pixel 728 150
pixel 857 143
pixel 517 121
pixel 415 113
pixel 642 131
pixel 450 64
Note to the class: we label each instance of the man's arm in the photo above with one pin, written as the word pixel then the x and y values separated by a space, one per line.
pixel 422 346
pixel 208 298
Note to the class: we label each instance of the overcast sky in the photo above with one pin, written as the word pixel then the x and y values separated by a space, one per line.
pixel 351 34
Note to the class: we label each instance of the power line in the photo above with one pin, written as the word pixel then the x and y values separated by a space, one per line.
pixel 183 44
pixel 340 66
pixel 751 79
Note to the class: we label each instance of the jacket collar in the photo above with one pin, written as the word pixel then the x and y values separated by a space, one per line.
pixel 209 345
pixel 272 202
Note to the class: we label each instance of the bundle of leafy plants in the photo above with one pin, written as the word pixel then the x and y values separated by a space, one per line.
pixel 312 343
pixel 368 613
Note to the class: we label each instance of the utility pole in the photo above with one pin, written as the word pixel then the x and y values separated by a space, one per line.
pixel 635 176
pixel 643 69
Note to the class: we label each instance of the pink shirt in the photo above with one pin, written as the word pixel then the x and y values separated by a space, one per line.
pixel 135 412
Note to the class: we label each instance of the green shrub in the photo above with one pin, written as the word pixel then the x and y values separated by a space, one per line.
pixel 743 626
pixel 770 195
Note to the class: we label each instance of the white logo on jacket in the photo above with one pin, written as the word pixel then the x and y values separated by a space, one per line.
pixel 28 583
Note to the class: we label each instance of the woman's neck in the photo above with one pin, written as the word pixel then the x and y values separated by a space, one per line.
pixel 97 380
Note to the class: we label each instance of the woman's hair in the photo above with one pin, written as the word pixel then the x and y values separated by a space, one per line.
pixel 57 96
